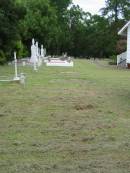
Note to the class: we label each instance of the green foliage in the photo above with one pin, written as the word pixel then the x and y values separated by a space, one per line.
pixel 59 28
pixel 61 5
pixel 10 15
pixel 113 60
pixel 41 23
pixel 116 8
pixel 2 58
pixel 20 49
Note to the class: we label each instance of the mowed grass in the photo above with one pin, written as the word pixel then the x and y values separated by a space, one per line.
pixel 66 120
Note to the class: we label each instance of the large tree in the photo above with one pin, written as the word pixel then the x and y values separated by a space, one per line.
pixel 117 8
pixel 118 12
pixel 41 23
pixel 61 4
pixel 10 15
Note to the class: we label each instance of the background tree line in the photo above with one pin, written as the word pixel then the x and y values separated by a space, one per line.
pixel 61 27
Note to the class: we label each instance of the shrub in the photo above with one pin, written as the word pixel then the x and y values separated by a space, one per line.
pixel 2 58
pixel 113 60
pixel 20 49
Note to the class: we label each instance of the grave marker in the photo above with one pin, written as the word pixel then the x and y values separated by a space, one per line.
pixel 16 68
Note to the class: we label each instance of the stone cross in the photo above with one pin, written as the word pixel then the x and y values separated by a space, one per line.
pixel 16 68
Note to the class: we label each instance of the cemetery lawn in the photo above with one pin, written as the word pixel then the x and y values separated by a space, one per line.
pixel 66 120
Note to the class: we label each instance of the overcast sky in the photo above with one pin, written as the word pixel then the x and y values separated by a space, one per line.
pixel 92 6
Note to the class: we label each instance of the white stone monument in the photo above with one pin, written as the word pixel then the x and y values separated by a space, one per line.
pixel 34 58
pixel 37 50
pixel 16 78
pixel 56 62
pixel 38 55
pixel 42 52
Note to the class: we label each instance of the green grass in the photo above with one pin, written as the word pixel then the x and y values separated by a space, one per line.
pixel 66 120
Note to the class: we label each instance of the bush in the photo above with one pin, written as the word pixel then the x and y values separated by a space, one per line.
pixel 113 60
pixel 20 49
pixel 2 58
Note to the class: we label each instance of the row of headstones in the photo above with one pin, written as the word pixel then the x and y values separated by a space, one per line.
pixel 37 57
pixel 37 54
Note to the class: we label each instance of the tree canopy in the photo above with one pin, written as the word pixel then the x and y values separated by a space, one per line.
pixel 116 9
pixel 61 27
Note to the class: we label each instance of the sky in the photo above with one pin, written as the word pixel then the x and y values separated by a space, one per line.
pixel 92 6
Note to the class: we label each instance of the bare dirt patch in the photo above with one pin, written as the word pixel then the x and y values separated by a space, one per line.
pixel 81 107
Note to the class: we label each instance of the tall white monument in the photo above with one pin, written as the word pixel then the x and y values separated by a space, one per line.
pixel 126 32
pixel 38 55
pixel 37 50
pixel 42 51
pixel 16 68
pixel 34 58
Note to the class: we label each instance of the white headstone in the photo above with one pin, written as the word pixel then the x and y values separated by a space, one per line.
pixel 22 79
pixel 24 63
pixel 42 51
pixel 37 50
pixel 33 52
pixel 59 63
pixel 38 55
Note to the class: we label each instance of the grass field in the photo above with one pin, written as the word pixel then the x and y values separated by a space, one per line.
pixel 66 120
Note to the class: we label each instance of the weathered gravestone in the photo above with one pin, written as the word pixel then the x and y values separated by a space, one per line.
pixel 58 62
